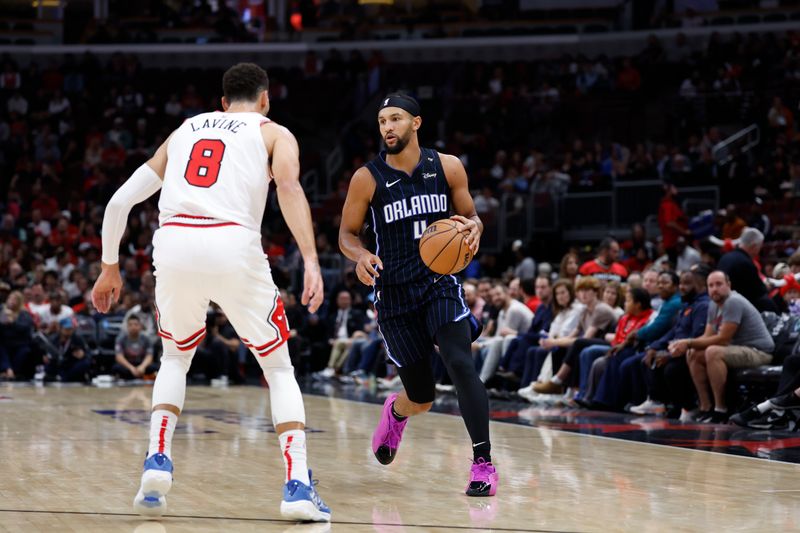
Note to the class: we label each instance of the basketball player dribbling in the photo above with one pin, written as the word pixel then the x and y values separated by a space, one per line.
pixel 404 189
pixel 214 173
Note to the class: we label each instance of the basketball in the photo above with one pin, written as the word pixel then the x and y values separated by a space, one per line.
pixel 443 248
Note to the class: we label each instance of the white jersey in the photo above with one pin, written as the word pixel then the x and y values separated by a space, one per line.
pixel 217 172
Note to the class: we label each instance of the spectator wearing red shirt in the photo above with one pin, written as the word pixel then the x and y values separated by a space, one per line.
pixel 529 298
pixel 672 222
pixel 605 266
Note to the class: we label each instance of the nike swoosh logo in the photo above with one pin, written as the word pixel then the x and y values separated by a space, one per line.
pixel 392 183
pixel 478 444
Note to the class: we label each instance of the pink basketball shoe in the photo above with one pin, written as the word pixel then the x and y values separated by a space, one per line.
pixel 387 436
pixel 483 479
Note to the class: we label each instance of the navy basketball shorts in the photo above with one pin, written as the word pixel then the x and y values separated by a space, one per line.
pixel 410 315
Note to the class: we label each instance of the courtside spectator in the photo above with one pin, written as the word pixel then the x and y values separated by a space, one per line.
pixel 666 375
pixel 67 357
pixel 134 352
pixel 735 337
pixel 514 317
pixel 16 336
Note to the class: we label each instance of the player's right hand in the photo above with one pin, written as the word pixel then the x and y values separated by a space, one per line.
pixel 107 288
pixel 365 270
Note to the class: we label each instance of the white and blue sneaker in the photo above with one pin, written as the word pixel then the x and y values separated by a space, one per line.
pixel 156 481
pixel 302 502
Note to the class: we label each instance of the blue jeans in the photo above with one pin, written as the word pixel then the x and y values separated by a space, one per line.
pixel 587 357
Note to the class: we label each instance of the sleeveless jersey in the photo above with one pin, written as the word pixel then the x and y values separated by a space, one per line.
pixel 217 168
pixel 400 210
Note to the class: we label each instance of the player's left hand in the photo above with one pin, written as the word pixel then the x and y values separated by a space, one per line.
pixel 313 291
pixel 473 232
pixel 107 288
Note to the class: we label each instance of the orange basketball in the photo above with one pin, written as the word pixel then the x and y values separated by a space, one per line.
pixel 443 248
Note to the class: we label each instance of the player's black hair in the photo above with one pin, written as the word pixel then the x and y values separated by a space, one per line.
pixel 244 81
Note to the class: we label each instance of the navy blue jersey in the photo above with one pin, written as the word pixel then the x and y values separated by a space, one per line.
pixel 401 208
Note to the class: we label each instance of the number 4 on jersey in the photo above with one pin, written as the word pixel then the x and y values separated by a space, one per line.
pixel 419 228
pixel 202 170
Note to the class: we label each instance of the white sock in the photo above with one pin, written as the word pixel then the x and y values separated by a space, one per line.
pixel 162 427
pixel 719 410
pixel 293 449
pixel 764 406
pixel 557 380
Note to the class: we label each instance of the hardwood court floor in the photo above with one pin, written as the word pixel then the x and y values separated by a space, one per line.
pixel 72 459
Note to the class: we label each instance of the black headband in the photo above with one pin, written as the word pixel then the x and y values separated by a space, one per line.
pixel 402 101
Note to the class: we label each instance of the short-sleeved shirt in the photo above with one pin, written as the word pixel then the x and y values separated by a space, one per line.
pixel 602 318
pixel 517 317
pixel 751 330
pixel 613 272
pixel 134 350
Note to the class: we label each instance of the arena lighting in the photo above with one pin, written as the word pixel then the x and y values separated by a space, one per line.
pixel 384 2
pixel 45 3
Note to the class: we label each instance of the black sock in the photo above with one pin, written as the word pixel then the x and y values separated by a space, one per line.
pixel 397 417
pixel 482 451
pixel 454 348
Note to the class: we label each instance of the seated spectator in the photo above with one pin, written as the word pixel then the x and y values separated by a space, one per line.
pixel 637 313
pixel 345 325
pixel 741 268
pixel 530 297
pixel 735 337
pixel 596 320
pixel 779 411
pixel 364 358
pixel 53 313
pixel 614 296
pixel 650 284
pixel 512 364
pixel 134 352
pixel 685 256
pixel 67 357
pixel 474 301
pixel 567 312
pixel 617 371
pixel 16 336
pixel 667 378
pixel 569 267
pixel 605 266
pixel 514 317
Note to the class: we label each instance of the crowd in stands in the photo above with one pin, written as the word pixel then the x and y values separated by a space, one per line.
pixel 71 132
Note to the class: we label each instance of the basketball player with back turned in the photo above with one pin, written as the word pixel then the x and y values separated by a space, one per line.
pixel 214 173
pixel 399 193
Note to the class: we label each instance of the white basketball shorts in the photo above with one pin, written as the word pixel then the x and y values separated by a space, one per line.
pixel 202 260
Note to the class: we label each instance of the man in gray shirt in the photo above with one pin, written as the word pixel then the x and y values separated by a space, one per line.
pixel 735 337
pixel 514 318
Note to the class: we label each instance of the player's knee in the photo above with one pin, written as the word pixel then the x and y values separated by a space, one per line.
pixel 180 361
